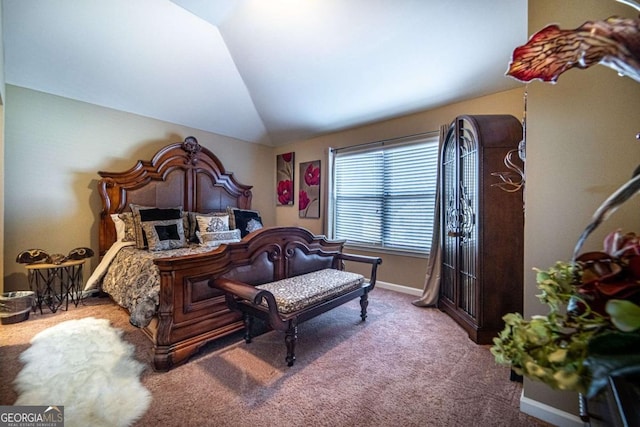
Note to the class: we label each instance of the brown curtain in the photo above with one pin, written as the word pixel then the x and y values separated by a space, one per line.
pixel 431 289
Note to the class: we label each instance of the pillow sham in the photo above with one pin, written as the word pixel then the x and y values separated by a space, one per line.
pixel 165 234
pixel 245 220
pixel 149 213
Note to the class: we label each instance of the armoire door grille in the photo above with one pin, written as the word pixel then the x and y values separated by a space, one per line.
pixel 482 230
pixel 460 172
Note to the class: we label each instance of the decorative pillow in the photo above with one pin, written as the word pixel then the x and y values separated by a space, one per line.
pixel 188 235
pixel 129 226
pixel 209 223
pixel 193 223
pixel 149 213
pixel 232 219
pixel 119 227
pixel 125 230
pixel 216 238
pixel 245 220
pixel 191 226
pixel 165 234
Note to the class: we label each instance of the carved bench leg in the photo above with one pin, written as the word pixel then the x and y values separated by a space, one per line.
pixel 248 327
pixel 364 303
pixel 290 337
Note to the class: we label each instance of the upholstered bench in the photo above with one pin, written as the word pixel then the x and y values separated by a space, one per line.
pixel 285 303
pixel 299 292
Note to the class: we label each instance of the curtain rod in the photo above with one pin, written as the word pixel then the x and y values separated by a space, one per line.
pixel 384 141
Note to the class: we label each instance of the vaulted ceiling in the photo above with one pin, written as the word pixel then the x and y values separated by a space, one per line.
pixel 265 71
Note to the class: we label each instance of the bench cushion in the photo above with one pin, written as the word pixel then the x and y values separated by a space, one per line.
pixel 296 293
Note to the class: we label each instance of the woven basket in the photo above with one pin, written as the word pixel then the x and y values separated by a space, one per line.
pixel 15 306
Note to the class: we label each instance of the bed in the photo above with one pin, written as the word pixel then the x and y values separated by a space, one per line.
pixel 163 285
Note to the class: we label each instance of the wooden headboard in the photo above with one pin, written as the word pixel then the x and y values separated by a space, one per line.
pixel 181 174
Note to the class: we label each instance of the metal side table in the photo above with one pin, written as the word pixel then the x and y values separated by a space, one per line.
pixel 56 284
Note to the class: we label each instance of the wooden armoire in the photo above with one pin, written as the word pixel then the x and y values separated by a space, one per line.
pixel 482 226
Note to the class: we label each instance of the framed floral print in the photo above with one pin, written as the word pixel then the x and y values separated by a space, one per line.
pixel 309 195
pixel 284 179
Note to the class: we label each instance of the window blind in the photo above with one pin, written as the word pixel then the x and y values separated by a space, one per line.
pixel 384 196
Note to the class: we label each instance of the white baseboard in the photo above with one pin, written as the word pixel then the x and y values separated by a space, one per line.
pixel 399 288
pixel 548 413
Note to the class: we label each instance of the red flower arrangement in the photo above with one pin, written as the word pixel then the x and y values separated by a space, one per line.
pixel 613 274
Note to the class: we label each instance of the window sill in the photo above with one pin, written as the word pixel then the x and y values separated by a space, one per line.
pixel 379 250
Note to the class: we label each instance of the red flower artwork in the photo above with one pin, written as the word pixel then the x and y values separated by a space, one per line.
pixel 285 192
pixel 303 200
pixel 309 190
pixel 312 175
pixel 285 178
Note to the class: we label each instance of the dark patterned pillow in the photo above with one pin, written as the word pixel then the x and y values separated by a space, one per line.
pixel 245 220
pixel 164 235
pixel 129 227
pixel 149 213
pixel 185 225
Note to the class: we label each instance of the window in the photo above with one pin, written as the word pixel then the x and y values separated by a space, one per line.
pixel 384 196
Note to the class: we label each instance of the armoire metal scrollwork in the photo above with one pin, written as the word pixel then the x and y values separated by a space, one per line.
pixel 482 226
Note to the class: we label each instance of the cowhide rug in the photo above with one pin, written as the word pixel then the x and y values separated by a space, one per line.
pixel 85 366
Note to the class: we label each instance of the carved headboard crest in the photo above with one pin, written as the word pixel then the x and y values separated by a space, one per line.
pixel 192 147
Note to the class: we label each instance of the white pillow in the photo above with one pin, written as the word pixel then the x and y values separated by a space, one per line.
pixel 210 223
pixel 120 227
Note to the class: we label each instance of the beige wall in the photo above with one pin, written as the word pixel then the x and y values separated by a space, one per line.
pixel 581 146
pixel 1 156
pixel 53 150
pixel 1 60
pixel 400 270
pixel 1 196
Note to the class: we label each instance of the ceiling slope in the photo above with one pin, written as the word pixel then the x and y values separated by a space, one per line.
pixel 149 57
pixel 269 72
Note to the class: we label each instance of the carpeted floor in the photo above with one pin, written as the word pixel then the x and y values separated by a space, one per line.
pixel 404 366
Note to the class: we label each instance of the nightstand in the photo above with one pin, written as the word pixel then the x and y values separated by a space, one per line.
pixel 56 284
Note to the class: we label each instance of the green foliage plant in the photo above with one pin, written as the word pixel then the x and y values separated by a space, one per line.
pixel 592 329
pixel 575 347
